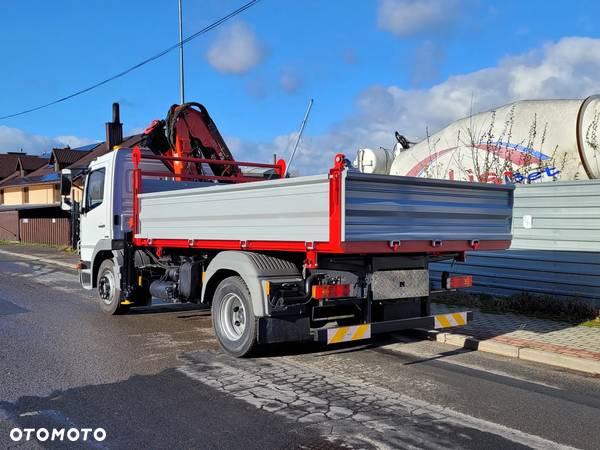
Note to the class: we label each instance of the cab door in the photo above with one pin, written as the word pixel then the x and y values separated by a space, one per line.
pixel 95 218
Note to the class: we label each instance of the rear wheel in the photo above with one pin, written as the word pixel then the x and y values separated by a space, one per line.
pixel 109 289
pixel 233 317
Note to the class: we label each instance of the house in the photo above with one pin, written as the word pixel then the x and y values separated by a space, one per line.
pixel 42 185
pixel 30 197
pixel 19 164
pixel 30 187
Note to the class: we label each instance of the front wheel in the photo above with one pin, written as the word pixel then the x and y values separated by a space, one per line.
pixel 233 317
pixel 109 289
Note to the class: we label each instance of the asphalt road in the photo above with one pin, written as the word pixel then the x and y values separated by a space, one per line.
pixel 155 378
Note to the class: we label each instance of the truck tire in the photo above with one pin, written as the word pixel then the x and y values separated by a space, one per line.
pixel 109 289
pixel 233 317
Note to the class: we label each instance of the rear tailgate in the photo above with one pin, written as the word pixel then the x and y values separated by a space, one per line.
pixel 391 208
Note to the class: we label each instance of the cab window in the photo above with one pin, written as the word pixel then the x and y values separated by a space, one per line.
pixel 95 189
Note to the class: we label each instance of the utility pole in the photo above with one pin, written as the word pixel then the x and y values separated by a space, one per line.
pixel 181 85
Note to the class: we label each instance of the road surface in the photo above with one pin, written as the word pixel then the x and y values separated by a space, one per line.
pixel 155 378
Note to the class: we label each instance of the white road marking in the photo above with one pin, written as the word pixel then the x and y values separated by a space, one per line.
pixel 404 349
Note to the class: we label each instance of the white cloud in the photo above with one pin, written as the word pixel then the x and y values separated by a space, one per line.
pixel 256 89
pixel 411 17
pixel 14 139
pixel 73 141
pixel 236 50
pixel 426 62
pixel 134 130
pixel 289 82
pixel 350 57
pixel 569 68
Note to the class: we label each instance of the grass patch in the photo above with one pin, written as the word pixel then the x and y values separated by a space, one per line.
pixel 571 310
pixel 594 323
pixel 62 248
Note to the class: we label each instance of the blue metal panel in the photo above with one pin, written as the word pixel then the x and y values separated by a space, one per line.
pixel 556 273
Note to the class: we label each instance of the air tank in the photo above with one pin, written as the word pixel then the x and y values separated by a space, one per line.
pixel 370 160
pixel 524 142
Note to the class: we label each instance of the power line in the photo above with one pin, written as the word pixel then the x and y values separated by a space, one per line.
pixel 142 63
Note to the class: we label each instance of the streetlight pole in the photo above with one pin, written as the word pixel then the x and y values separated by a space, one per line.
pixel 181 85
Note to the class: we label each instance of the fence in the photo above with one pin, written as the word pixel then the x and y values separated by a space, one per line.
pixel 555 248
pixel 9 226
pixel 45 231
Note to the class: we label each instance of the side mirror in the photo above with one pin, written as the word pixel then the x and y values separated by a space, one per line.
pixel 66 184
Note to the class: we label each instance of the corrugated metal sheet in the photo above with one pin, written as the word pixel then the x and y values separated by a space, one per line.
pixel 9 225
pixel 555 273
pixel 562 216
pixel 384 207
pixel 45 231
pixel 559 254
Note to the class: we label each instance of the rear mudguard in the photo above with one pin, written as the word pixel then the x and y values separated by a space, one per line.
pixel 254 268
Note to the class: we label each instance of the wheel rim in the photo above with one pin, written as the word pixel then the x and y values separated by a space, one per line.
pixel 106 285
pixel 233 317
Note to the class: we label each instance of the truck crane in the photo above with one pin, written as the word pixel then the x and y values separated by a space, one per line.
pixel 332 258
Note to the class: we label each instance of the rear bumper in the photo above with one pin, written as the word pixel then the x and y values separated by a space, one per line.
pixel 366 330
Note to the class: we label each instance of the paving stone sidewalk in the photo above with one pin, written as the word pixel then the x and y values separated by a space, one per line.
pixel 529 332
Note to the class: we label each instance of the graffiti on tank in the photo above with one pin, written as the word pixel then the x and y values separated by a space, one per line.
pixel 518 155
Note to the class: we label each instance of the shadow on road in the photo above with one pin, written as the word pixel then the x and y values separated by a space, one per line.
pixel 199 310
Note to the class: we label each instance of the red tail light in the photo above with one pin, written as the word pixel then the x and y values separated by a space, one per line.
pixel 321 291
pixel 459 282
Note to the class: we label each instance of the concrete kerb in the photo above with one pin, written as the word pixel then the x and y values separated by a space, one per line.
pixel 38 259
pixel 525 353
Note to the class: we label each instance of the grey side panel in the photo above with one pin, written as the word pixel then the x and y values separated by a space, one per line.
pixel 558 216
pixel 383 207
pixel 253 268
pixel 542 272
pixel 123 192
pixel 294 209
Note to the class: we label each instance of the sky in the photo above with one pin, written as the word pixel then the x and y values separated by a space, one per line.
pixel 372 67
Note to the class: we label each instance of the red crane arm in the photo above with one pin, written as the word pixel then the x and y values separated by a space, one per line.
pixel 189 132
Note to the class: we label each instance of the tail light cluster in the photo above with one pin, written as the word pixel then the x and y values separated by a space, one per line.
pixel 323 291
pixel 465 281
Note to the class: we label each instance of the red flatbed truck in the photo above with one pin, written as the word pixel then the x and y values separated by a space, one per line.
pixel 334 257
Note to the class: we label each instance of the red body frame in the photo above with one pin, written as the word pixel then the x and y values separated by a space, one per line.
pixel 334 246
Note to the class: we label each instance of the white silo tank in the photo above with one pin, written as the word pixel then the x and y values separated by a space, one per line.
pixel 525 141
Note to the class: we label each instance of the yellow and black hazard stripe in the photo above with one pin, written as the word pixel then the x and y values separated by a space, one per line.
pixel 347 334
pixel 366 330
pixel 450 320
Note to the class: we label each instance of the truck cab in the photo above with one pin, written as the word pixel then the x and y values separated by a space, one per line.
pixel 105 210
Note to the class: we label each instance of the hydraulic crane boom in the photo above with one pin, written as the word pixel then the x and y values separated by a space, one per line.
pixel 189 132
